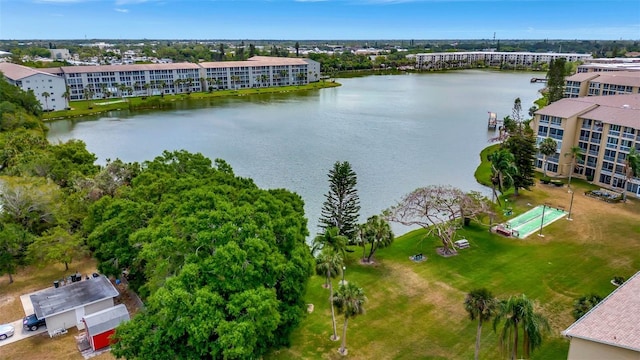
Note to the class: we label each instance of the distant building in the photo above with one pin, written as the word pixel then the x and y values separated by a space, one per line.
pixel 60 54
pixel 39 82
pixel 97 82
pixel 446 60
pixel 611 330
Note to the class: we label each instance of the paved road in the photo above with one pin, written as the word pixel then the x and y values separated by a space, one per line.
pixel 21 333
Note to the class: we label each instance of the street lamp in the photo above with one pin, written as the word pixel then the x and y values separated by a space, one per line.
pixel 570 206
pixel 344 268
pixel 544 206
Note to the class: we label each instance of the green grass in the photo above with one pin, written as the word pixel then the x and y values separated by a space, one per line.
pixel 96 106
pixel 415 311
pixel 483 172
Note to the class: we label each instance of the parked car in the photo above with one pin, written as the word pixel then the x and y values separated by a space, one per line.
pixel 32 323
pixel 6 330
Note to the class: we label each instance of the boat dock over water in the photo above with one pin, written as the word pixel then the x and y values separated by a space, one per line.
pixel 492 123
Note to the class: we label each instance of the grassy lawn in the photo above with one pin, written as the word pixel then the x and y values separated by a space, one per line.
pixel 415 311
pixel 96 106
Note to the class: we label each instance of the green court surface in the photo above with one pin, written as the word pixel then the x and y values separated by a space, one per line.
pixel 529 222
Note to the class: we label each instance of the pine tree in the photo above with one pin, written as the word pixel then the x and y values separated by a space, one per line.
pixel 342 205
pixel 555 79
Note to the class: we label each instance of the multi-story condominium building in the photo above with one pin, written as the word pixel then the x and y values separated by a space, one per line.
pixel 608 64
pixel 98 82
pixel 604 127
pixel 48 89
pixel 602 83
pixel 445 60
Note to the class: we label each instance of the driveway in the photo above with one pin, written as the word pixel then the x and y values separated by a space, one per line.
pixel 21 333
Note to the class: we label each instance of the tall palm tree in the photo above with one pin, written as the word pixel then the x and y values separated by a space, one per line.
pixel 329 264
pixel 331 238
pixel 575 152
pixel 481 305
pixel 67 94
pixel 547 148
pixel 349 299
pixel 377 232
pixel 516 315
pixel 46 95
pixel 503 168
pixel 631 169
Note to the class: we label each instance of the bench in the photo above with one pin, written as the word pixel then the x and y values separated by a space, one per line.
pixel 503 231
pixel 462 244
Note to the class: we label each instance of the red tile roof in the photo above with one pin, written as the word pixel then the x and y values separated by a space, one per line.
pixel 615 321
pixel 621 110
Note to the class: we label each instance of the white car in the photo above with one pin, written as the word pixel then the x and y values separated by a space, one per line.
pixel 6 330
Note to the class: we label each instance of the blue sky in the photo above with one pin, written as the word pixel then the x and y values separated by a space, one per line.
pixel 320 19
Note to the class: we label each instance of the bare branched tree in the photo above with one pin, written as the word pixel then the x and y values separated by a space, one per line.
pixel 439 210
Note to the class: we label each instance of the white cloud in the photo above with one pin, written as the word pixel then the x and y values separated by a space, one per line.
pixel 121 10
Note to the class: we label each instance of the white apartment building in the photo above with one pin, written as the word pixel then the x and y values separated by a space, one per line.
pixel 48 89
pixel 98 82
pixel 447 60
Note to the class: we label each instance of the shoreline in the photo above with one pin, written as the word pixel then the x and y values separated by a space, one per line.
pixel 98 106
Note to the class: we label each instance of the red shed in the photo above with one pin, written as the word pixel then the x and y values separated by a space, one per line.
pixel 102 324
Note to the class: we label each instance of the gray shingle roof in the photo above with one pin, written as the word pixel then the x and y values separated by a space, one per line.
pixel 615 320
pixel 57 300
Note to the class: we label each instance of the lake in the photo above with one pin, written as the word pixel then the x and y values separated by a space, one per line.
pixel 399 132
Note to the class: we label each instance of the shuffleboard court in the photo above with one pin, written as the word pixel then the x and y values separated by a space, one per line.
pixel 526 224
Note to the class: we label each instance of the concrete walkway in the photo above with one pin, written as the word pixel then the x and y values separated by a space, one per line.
pixel 21 333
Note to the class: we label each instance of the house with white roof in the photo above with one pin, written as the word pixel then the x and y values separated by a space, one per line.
pixel 611 330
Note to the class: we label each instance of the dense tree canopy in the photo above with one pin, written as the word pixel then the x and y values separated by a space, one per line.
pixel 223 264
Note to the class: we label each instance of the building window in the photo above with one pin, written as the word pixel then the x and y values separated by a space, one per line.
pixel 605 179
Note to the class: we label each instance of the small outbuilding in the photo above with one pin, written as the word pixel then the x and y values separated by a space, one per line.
pixel 65 307
pixel 101 325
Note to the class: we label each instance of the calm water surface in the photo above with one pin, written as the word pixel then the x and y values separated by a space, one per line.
pixel 399 132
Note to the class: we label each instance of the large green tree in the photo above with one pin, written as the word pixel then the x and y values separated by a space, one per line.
pixel 480 304
pixel 522 144
pixel 222 265
pixel 341 207
pixel 516 316
pixel 555 79
pixel 349 299
pixel 14 240
pixel 57 245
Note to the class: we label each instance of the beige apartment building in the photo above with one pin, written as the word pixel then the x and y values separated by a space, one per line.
pixel 604 127
pixel 611 330
pixel 602 83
